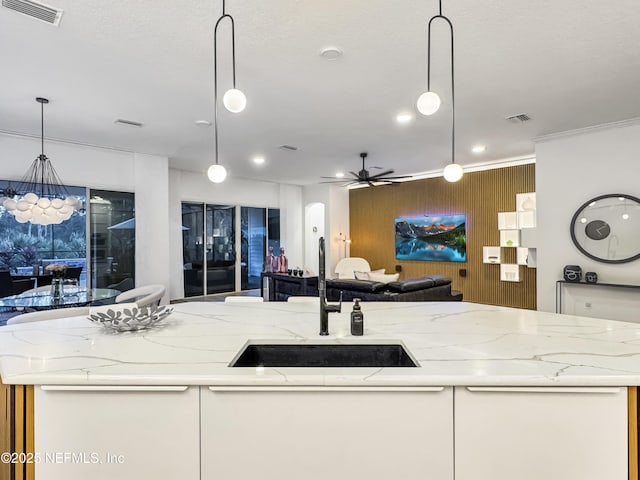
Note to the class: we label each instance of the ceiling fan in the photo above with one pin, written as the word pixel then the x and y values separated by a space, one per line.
pixel 363 176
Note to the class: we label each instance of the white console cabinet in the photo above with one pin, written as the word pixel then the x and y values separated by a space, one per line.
pixel 112 432
pixel 327 433
pixel 541 433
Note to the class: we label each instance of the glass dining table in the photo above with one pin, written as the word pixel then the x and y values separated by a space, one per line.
pixel 72 297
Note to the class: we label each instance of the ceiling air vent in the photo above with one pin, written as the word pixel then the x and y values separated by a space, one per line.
pixel 519 118
pixel 288 147
pixel 36 10
pixel 129 123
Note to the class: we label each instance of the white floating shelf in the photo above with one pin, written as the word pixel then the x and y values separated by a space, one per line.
pixel 509 273
pixel 491 254
pixel 527 219
pixel 522 255
pixel 526 202
pixel 507 220
pixel 509 238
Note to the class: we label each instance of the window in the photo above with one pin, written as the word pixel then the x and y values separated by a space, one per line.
pixel 24 246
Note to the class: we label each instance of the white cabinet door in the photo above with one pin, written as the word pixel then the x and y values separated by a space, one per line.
pixel 323 433
pixel 541 433
pixel 123 433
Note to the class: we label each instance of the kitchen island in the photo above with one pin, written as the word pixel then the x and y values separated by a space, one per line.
pixel 498 393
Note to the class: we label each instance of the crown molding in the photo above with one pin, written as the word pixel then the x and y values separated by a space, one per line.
pixel 594 128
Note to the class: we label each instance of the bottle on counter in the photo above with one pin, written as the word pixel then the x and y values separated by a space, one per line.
pixel 357 319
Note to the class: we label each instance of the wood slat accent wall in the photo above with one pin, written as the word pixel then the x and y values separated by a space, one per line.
pixel 17 430
pixel 480 196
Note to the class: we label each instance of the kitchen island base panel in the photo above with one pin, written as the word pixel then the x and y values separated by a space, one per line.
pixel 552 433
pixel 117 432
pixel 317 434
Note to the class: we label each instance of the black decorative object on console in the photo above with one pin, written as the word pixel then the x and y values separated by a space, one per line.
pixel 591 277
pixel 572 273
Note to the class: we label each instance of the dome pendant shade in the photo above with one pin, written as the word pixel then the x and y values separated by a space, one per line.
pixel 428 103
pixel 234 100
pixel 217 173
pixel 452 172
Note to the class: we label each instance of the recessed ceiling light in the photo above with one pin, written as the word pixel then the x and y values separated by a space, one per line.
pixel 404 117
pixel 258 160
pixel 331 53
pixel 478 148
pixel 339 175
pixel 203 123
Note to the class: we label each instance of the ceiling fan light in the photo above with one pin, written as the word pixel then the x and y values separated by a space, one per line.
pixel 452 172
pixel 428 103
pixel 217 173
pixel 234 100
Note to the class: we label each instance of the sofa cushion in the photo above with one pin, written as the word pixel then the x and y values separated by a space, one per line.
pixel 384 278
pixel 357 285
pixel 413 284
pixel 365 275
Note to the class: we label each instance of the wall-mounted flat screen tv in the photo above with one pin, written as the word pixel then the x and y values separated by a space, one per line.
pixel 439 238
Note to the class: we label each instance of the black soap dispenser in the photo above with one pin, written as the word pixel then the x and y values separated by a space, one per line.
pixel 357 319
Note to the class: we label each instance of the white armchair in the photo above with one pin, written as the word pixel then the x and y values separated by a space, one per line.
pixel 348 265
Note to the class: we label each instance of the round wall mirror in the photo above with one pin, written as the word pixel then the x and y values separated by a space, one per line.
pixel 607 228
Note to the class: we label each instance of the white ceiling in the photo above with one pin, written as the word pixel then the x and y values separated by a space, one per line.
pixel 568 64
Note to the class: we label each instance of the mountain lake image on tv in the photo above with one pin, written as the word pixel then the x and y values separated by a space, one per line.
pixel 439 238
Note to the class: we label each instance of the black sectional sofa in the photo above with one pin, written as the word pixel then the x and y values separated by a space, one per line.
pixel 432 288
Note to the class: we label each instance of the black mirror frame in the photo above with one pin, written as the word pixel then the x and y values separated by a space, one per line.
pixel 575 218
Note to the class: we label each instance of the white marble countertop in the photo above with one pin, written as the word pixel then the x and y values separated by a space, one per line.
pixel 455 343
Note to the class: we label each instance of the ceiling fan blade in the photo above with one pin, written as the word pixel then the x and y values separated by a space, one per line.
pixel 394 177
pixel 334 178
pixel 382 174
pixel 355 174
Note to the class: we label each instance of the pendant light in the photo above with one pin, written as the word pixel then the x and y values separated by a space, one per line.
pixel 429 102
pixel 233 100
pixel 40 197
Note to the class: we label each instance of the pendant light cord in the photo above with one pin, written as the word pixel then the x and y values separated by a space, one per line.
pixel 215 71
pixel 453 95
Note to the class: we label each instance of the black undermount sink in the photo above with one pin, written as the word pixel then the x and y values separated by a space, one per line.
pixel 324 355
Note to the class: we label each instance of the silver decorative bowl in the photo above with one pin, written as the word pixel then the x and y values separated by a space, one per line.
pixel 129 318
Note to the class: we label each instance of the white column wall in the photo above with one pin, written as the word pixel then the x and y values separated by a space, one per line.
pixel 570 170
pixel 291 221
pixel 151 175
pixel 336 201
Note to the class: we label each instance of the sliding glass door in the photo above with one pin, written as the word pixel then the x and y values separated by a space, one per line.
pixel 193 248
pixel 209 246
pixel 254 239
pixel 112 239
pixel 221 249
pixel 208 249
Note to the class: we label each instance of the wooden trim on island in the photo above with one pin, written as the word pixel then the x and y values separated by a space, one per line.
pixel 632 418
pixel 17 430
